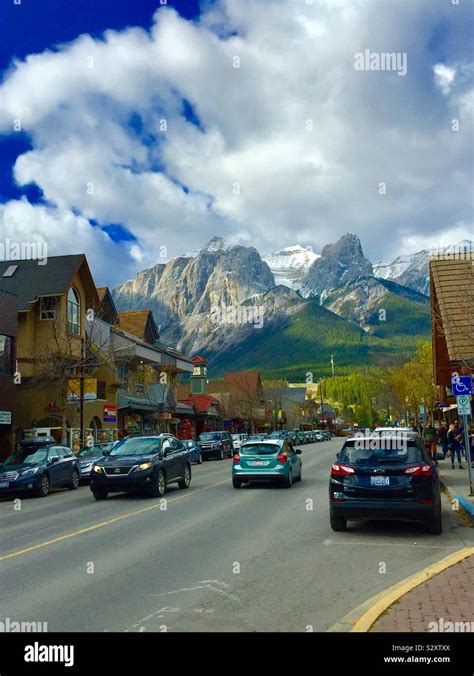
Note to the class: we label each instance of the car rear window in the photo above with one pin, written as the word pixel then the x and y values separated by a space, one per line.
pixel 259 449
pixel 382 451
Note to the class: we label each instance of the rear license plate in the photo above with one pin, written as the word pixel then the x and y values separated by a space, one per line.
pixel 258 463
pixel 380 480
pixel 4 484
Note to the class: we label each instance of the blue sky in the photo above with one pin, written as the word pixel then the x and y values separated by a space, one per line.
pixel 147 129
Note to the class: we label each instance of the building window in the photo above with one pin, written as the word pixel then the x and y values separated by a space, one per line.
pixel 73 312
pixel 101 390
pixel 123 374
pixel 6 355
pixel 48 308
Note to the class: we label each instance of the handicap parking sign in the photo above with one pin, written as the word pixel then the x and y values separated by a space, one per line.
pixel 461 385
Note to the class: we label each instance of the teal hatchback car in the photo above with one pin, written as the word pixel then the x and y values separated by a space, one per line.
pixel 272 460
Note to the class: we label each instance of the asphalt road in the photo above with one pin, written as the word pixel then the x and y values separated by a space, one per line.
pixel 217 559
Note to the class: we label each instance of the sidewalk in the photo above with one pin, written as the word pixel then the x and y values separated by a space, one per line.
pixel 456 484
pixel 446 601
pixel 439 604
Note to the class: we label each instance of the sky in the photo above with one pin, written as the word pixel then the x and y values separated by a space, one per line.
pixel 136 131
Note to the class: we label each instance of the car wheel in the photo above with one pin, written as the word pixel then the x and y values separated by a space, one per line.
pixel 236 483
pixel 435 527
pixel 44 487
pixel 300 475
pixel 221 454
pixel 338 523
pixel 289 481
pixel 199 462
pixel 100 494
pixel 158 488
pixel 185 482
pixel 75 481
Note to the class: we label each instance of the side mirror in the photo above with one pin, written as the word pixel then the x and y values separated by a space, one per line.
pixel 298 451
pixel 338 455
pixel 53 460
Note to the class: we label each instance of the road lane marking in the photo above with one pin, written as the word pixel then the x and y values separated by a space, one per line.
pixel 102 524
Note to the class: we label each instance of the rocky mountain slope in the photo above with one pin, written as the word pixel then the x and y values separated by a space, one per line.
pixel 290 265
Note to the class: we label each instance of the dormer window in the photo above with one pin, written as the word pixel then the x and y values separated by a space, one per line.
pixel 73 312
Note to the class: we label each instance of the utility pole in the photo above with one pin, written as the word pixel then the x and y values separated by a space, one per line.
pixel 332 365
pixel 321 396
pixel 81 395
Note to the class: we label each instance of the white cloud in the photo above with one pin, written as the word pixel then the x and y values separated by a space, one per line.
pixel 252 172
pixel 444 77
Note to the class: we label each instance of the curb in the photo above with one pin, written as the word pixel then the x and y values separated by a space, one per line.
pixel 364 616
pixel 466 508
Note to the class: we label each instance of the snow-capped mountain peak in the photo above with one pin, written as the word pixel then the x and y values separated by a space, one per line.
pixel 291 264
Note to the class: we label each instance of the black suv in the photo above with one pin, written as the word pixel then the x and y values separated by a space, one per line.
pixel 216 444
pixel 385 477
pixel 37 466
pixel 142 464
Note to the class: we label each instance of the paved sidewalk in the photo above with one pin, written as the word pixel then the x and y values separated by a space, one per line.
pixel 446 598
pixel 456 482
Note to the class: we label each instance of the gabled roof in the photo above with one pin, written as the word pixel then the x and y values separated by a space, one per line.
pixel 30 280
pixel 140 323
pixel 107 310
pixel 248 382
pixel 452 303
pixel 201 402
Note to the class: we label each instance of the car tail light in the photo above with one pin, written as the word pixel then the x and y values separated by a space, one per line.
pixel 282 457
pixel 341 470
pixel 236 457
pixel 420 470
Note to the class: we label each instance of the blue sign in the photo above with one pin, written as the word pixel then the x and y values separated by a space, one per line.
pixel 461 385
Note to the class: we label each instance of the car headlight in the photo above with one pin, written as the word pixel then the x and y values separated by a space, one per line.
pixel 29 472
pixel 145 465
pixel 215 445
pixel 97 468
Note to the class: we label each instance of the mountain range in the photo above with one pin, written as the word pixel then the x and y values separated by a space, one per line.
pixel 211 302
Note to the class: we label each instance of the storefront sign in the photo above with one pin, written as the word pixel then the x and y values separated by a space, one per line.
pixel 89 391
pixel 5 417
pixel 110 414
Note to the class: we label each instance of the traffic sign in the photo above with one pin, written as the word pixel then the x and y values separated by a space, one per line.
pixel 461 385
pixel 464 405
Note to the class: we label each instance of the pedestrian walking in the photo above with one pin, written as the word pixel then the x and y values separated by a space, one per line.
pixel 429 438
pixel 454 445
pixel 443 439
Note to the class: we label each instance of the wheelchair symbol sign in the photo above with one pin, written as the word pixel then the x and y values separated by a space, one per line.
pixel 461 385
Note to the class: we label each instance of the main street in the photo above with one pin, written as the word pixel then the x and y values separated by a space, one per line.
pixel 218 559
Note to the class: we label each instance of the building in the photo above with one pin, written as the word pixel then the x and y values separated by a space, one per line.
pixel 242 399
pixel 8 387
pixel 200 412
pixel 452 313
pixel 88 373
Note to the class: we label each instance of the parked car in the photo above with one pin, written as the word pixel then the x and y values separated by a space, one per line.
pixel 326 435
pixel 37 466
pixel 91 454
pixel 216 444
pixel 142 464
pixel 195 455
pixel 385 478
pixel 278 434
pixel 272 460
pixel 260 436
pixel 239 439
pixel 319 435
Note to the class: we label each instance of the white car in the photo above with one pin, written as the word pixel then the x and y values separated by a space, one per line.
pixel 239 439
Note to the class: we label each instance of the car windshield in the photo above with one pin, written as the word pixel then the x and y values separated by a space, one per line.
pixel 209 436
pixel 259 449
pixel 133 446
pixel 94 451
pixel 29 457
pixel 372 452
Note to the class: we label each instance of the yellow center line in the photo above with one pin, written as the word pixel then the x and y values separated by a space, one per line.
pixel 127 515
